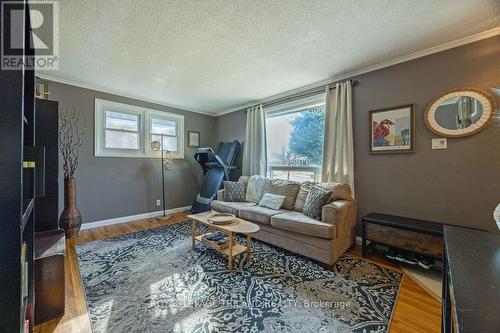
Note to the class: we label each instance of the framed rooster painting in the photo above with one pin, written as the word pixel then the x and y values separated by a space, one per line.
pixel 392 130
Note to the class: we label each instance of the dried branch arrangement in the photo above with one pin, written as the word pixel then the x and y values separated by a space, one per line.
pixel 70 140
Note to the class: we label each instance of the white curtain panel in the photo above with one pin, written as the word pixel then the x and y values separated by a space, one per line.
pixel 254 150
pixel 338 150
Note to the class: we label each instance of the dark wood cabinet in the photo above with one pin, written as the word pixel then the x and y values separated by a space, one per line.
pixel 471 281
pixel 19 171
pixel 46 135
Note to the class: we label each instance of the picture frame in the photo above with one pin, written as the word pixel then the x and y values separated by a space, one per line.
pixel 193 139
pixel 392 130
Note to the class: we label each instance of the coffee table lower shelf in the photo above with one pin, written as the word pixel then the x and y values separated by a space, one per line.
pixel 230 251
pixel 237 247
pixel 238 226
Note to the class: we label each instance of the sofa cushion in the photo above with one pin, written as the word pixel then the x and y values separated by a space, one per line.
pixel 244 179
pixel 256 187
pixel 287 188
pixel 230 207
pixel 272 201
pixel 300 223
pixel 339 192
pixel 259 214
pixel 234 191
pixel 316 199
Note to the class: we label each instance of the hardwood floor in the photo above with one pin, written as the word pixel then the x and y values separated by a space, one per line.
pixel 416 311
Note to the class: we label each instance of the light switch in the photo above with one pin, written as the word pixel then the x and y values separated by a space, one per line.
pixel 439 143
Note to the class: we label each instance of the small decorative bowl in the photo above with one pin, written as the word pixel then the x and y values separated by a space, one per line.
pixel 221 218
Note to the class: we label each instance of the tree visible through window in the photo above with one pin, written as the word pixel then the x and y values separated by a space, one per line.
pixel 295 144
pixel 306 139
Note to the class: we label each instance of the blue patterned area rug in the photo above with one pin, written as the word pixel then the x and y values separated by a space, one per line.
pixel 153 281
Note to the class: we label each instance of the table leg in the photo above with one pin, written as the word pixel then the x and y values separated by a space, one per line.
pixel 445 299
pixel 193 232
pixel 230 259
pixel 363 239
pixel 248 247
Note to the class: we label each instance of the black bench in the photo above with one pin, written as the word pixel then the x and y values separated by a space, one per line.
pixel 418 236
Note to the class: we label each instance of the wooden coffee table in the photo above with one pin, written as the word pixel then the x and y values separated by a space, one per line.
pixel 239 226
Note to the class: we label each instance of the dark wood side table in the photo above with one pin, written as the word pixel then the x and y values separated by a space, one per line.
pixel 419 236
pixel 471 281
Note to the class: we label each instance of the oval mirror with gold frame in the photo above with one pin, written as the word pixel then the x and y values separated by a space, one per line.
pixel 459 112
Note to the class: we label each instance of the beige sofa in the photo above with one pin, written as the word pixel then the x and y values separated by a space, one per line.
pixel 324 240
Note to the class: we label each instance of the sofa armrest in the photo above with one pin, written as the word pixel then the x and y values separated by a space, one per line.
pixel 342 214
pixel 220 195
pixel 339 212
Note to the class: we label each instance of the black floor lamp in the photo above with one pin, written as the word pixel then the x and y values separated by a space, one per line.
pixel 157 145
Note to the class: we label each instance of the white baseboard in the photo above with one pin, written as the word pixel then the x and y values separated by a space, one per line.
pixel 124 219
pixel 358 240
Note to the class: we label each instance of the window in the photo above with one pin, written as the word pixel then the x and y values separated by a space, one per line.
pixel 295 139
pixel 166 125
pixel 169 130
pixel 123 130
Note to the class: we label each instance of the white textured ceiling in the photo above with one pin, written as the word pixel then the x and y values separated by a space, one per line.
pixel 211 55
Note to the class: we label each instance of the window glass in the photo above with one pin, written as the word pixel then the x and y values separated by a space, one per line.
pixel 295 144
pixel 122 121
pixel 169 142
pixel 163 126
pixel 122 130
pixel 122 140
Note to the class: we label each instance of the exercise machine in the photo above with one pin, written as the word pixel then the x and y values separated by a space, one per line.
pixel 216 167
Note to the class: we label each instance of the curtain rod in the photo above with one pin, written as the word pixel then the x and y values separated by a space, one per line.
pixel 354 83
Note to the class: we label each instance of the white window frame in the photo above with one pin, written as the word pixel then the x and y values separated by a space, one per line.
pixel 145 116
pixel 179 119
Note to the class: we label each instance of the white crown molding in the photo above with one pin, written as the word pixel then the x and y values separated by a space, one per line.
pixel 415 55
pixel 116 92
pixel 125 219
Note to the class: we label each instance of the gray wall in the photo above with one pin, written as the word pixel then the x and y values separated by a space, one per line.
pixel 229 127
pixel 109 187
pixel 460 185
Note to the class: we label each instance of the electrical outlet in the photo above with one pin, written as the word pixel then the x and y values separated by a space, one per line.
pixel 158 203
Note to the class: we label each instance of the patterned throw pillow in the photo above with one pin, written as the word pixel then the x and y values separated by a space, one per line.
pixel 339 191
pixel 272 201
pixel 316 199
pixel 234 191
